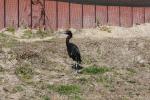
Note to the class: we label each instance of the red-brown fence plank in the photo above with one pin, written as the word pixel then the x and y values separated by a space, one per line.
pixel 1 14
pixel 88 16
pixel 76 15
pixel 138 15
pixel 126 16
pixel 101 15
pixel 37 15
pixel 51 14
pixel 113 15
pixel 12 13
pixel 24 12
pixel 147 14
pixel 63 15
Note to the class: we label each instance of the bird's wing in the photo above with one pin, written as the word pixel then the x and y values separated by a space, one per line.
pixel 75 50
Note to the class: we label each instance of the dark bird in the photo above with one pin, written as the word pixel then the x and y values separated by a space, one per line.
pixel 73 51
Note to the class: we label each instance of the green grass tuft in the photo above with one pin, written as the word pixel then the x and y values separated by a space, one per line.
pixel 68 89
pixel 65 89
pixel 95 70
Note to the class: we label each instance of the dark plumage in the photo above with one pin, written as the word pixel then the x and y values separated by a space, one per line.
pixel 73 50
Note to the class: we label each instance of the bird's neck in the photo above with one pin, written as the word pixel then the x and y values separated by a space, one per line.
pixel 67 39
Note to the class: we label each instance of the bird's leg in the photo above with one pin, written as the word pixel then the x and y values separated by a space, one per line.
pixel 76 67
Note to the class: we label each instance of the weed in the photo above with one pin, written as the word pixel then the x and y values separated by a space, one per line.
pixel 131 71
pixel 131 81
pixel 106 81
pixel 27 34
pixel 18 88
pixel 1 69
pixel 87 60
pixel 24 72
pixel 41 33
pixel 46 98
pixel 83 80
pixel 51 87
pixel 11 29
pixel 76 97
pixel 105 28
pixel 95 70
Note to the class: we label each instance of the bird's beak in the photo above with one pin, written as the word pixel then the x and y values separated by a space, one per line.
pixel 65 33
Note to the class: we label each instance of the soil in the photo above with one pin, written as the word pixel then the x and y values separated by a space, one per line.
pixel 126 51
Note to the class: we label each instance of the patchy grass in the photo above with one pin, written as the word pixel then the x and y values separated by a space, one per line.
pixel 95 70
pixel 7 41
pixel 24 72
pixel 65 89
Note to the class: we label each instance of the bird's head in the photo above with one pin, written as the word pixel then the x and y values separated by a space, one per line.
pixel 69 33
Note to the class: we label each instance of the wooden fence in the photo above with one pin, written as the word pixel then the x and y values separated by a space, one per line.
pixel 56 14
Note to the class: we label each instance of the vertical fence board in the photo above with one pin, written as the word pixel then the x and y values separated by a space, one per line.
pixel 12 13
pixel 101 15
pixel 37 16
pixel 126 16
pixel 147 14
pixel 24 12
pixel 76 15
pixel 51 14
pixel 138 15
pixel 113 15
pixel 88 16
pixel 1 14
pixel 63 14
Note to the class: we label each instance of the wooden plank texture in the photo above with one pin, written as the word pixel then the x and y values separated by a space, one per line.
pixel 138 15
pixel 51 14
pixel 12 13
pixel 37 15
pixel 101 15
pixel 24 12
pixel 1 14
pixel 147 14
pixel 76 15
pixel 113 15
pixel 88 16
pixel 63 15
pixel 126 16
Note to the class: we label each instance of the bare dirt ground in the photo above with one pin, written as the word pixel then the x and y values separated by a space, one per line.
pixel 34 64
